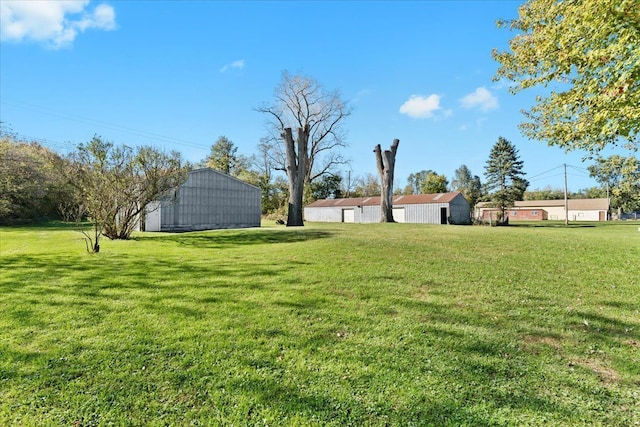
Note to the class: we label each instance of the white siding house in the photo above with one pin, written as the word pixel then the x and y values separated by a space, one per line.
pixel 207 200
pixel 443 208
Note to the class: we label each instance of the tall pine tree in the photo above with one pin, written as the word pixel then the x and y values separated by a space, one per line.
pixel 505 179
pixel 224 157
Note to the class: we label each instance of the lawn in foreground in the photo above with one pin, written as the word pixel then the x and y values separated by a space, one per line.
pixel 336 324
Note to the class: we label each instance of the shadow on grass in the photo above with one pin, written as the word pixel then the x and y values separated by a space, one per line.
pixel 226 238
pixel 552 225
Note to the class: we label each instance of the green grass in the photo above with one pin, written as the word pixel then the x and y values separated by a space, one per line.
pixel 334 324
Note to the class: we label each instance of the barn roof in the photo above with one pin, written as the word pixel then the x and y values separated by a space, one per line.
pixel 574 204
pixel 413 199
pixel 208 170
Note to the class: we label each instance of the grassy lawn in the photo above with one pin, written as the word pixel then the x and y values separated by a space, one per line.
pixel 331 324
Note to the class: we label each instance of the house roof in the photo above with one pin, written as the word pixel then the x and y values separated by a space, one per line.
pixel 413 199
pixel 574 204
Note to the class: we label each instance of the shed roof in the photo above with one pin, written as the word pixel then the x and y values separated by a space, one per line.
pixel 413 199
pixel 208 170
pixel 574 204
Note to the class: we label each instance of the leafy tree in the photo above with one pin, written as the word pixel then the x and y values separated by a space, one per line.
pixel 224 157
pixel 505 181
pixel 435 183
pixel 588 51
pixel 367 186
pixel 593 193
pixel 326 187
pixel 426 182
pixel 415 182
pixel 622 176
pixel 116 183
pixel 304 108
pixel 468 184
pixel 546 193
pixel 30 186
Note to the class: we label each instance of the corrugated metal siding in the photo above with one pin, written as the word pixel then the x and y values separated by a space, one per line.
pixel 211 200
pixel 460 210
pixel 423 214
pixel 333 214
pixel 428 213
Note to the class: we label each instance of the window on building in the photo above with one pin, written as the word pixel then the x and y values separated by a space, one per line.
pixel 514 213
pixel 534 213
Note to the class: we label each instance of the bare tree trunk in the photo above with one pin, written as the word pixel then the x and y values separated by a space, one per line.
pixel 296 165
pixel 386 162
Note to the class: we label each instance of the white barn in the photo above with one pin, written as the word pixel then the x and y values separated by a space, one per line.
pixel 442 208
pixel 207 200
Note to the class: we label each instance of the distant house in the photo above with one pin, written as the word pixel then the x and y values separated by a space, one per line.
pixel 442 208
pixel 528 210
pixel 207 200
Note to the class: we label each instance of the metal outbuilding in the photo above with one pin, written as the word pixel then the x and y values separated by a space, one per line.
pixel 577 209
pixel 207 200
pixel 442 208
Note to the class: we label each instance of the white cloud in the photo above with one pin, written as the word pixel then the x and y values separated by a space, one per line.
pixel 420 107
pixel 481 98
pixel 52 21
pixel 238 65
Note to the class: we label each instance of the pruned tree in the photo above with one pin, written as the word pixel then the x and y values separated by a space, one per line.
pixel 505 178
pixel 305 125
pixel 587 51
pixel 116 184
pixel 386 162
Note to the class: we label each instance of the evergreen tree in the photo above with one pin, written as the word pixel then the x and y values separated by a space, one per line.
pixel 505 178
pixel 224 158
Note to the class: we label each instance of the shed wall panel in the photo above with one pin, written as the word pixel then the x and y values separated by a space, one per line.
pixel 211 200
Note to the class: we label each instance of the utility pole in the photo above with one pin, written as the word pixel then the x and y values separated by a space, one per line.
pixel 566 200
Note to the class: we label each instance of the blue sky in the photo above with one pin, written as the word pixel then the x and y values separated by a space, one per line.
pixel 179 74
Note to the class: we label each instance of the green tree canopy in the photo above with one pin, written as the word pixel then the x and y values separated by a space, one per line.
pixel 588 52
pixel 622 176
pixel 505 181
pixel 325 187
pixel 30 185
pixel 224 158
pixel 468 184
pixel 426 182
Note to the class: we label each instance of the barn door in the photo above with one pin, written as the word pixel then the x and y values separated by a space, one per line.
pixel 348 215
pixel 443 215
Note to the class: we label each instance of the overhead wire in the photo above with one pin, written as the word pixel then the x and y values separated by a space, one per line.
pixel 112 126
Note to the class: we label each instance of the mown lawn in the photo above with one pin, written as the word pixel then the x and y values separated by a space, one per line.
pixel 334 324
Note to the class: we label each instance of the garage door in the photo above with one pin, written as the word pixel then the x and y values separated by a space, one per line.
pixel 398 214
pixel 348 215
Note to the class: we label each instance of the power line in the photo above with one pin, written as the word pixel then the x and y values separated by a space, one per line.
pixel 112 126
pixel 542 173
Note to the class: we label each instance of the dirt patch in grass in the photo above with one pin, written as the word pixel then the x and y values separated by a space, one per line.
pixel 633 343
pixel 532 343
pixel 607 375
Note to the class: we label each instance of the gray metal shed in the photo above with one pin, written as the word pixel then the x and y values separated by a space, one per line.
pixel 207 200
pixel 442 208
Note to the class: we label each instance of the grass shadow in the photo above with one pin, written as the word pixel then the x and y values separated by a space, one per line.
pixel 225 238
